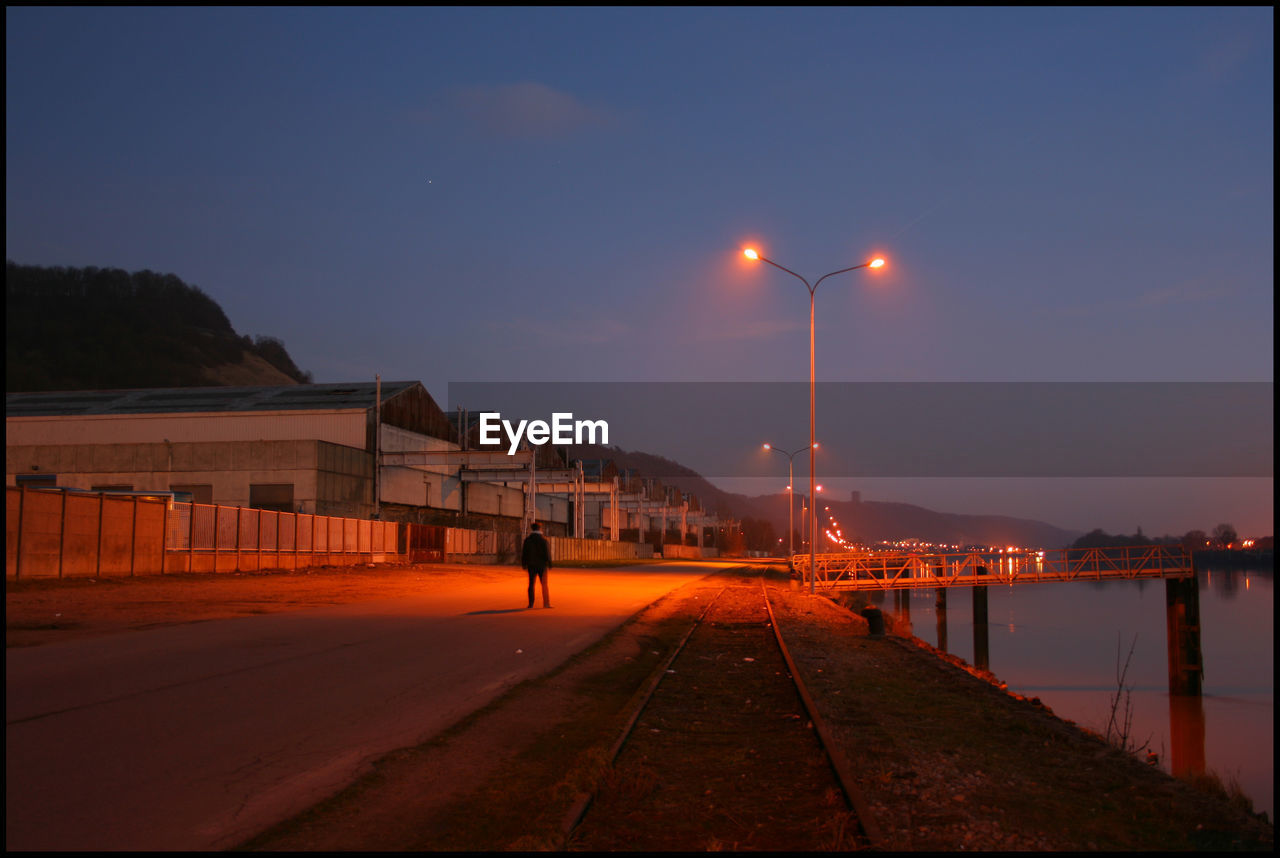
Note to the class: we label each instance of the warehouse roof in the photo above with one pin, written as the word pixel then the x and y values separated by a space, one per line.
pixel 293 397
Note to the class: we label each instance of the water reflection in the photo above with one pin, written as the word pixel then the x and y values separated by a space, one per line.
pixel 1061 643
pixel 1186 734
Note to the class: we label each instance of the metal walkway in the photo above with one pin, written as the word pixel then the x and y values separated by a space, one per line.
pixel 876 571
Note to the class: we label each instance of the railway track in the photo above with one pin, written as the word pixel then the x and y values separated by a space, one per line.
pixel 724 749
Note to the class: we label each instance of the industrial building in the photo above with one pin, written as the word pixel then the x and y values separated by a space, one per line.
pixel 312 448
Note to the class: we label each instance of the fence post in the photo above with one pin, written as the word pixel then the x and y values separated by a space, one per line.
pixel 97 562
pixel 62 534
pixel 22 510
pixel 164 537
pixel 191 537
pixel 133 537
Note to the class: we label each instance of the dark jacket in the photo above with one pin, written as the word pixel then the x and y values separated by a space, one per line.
pixel 536 553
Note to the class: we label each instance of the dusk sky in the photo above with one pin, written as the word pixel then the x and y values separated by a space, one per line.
pixel 562 195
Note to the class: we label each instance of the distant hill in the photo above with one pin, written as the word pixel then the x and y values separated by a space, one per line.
pixel 107 329
pixel 871 521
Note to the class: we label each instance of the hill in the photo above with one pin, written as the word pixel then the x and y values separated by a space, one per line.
pixel 872 521
pixel 105 329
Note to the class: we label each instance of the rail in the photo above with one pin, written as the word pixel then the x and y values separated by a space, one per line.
pixel 705 706
pixel 901 571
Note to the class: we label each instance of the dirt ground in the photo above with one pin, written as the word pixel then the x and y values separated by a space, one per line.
pixel 44 610
pixel 946 760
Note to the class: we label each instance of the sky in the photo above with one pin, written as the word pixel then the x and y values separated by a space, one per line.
pixel 563 195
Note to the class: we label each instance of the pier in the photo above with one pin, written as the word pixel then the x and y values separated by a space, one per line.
pixel 868 570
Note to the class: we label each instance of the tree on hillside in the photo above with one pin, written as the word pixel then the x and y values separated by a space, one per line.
pixel 1098 538
pixel 102 328
pixel 1194 540
pixel 272 350
pixel 759 535
pixel 1224 536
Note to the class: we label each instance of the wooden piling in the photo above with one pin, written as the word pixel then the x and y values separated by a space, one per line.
pixel 981 650
pixel 1182 615
pixel 940 611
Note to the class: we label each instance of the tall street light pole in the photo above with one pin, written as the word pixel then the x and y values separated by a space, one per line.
pixel 791 506
pixel 878 262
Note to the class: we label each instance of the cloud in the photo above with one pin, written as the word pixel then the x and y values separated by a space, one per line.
pixel 1182 293
pixel 1222 59
pixel 763 329
pixel 1188 292
pixel 591 332
pixel 527 110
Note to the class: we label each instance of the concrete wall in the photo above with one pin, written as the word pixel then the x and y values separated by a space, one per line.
pixel 564 548
pixel 688 552
pixel 463 545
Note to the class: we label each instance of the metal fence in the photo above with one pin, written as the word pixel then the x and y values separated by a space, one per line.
pixel 56 533
pixel 52 533
pixel 213 527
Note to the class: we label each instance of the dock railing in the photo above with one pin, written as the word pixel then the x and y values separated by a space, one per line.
pixel 870 570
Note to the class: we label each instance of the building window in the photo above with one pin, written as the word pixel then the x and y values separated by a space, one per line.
pixel 276 496
pixel 34 481
pixel 200 492
pixel 112 488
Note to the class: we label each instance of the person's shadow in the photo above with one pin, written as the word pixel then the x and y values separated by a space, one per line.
pixel 498 611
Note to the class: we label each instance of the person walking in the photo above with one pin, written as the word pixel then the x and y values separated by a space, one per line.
pixel 535 556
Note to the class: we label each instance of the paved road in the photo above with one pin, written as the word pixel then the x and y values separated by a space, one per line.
pixel 196 737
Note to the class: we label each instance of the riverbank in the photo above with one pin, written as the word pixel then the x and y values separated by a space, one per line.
pixel 951 760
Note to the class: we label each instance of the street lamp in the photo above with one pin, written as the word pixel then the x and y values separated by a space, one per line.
pixel 878 262
pixel 791 495
pixel 807 513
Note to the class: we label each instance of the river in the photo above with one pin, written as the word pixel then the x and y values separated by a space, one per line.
pixel 1065 642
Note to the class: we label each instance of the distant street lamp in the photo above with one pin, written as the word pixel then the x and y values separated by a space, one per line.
pixel 791 506
pixel 808 512
pixel 878 262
